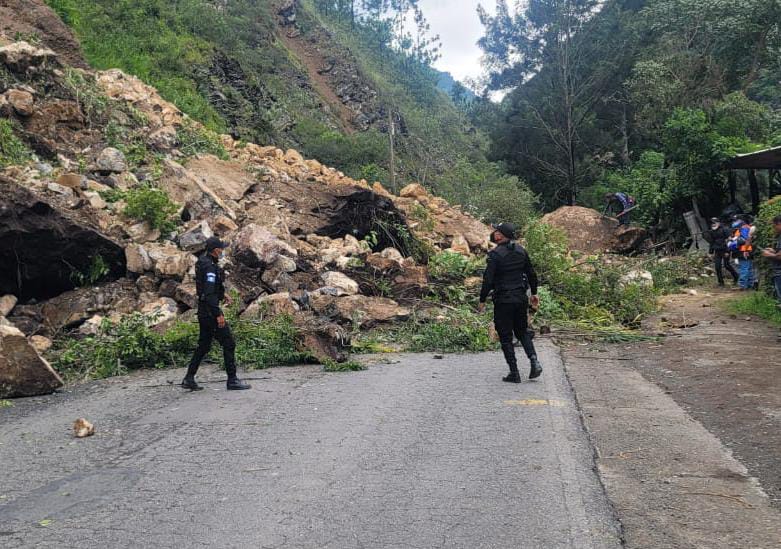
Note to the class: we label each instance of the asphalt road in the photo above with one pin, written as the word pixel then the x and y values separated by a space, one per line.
pixel 417 453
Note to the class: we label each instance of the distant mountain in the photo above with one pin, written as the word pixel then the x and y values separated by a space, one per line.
pixel 446 83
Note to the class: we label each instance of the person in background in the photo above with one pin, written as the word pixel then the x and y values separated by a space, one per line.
pixel 740 244
pixel 774 255
pixel 717 237
pixel 619 205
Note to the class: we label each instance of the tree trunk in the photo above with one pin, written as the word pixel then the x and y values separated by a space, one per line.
pixel 753 186
pixel 733 186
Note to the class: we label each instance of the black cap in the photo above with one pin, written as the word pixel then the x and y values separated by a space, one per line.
pixel 507 229
pixel 212 243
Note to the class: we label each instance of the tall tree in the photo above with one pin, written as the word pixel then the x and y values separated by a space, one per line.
pixel 548 47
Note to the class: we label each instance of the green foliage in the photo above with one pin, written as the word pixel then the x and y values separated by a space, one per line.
pixel 758 304
pixel 150 204
pixel 98 268
pixel 766 237
pixel 12 150
pixel 196 139
pixel 149 39
pixel 117 348
pixel 450 266
pixel 357 155
pixel 271 342
pixel 488 192
pixel 347 366
pixel 462 331
pixel 91 99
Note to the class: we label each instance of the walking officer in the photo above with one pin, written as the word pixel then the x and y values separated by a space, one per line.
pixel 209 283
pixel 508 276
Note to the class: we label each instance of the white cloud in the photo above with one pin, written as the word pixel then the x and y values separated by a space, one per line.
pixel 458 26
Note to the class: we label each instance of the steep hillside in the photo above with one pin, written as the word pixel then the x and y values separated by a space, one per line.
pixel 283 73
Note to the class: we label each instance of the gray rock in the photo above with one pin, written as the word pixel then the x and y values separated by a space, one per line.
pixel 194 240
pixel 111 160
pixel 22 370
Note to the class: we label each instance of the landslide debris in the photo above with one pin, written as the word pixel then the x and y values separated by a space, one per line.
pixel 590 232
pixel 307 241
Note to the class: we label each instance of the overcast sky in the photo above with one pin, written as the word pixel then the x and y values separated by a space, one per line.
pixel 457 24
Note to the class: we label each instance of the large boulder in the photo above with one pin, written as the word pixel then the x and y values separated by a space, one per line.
pixel 628 239
pixel 194 240
pixel 587 230
pixel 22 57
pixel 342 283
pixel 271 305
pixel 257 247
pixel 169 261
pixel 22 102
pixel 111 160
pixel 368 311
pixel 22 370
pixel 7 304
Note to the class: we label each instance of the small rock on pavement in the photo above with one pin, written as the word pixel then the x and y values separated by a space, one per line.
pixel 83 428
pixel 111 160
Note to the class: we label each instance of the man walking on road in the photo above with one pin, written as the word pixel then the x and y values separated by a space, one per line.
pixel 774 255
pixel 508 276
pixel 209 283
pixel 717 237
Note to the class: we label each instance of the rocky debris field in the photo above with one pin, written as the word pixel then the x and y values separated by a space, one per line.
pixel 112 193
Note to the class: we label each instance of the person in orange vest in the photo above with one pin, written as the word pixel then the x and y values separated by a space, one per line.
pixel 740 245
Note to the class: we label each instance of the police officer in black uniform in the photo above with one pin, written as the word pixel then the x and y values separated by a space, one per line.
pixel 508 275
pixel 209 283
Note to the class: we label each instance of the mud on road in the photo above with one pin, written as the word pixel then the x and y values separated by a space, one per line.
pixel 686 427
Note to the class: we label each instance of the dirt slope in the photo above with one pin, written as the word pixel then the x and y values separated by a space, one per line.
pixel 33 20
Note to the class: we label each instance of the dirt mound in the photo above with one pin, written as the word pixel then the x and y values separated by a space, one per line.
pixel 590 232
pixel 34 21
pixel 586 229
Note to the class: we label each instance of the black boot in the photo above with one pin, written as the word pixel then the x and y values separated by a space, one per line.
pixel 536 368
pixel 190 383
pixel 509 356
pixel 512 377
pixel 235 384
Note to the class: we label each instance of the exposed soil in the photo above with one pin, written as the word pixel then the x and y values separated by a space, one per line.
pixel 722 368
pixel 32 20
pixel 314 61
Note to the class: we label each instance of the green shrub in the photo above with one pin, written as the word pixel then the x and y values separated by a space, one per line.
pixel 93 102
pixel 758 304
pixel 12 150
pixel 117 348
pixel 196 139
pixel 451 266
pixel 348 366
pixel 150 204
pixel 271 342
pixel 463 330
pixel 98 268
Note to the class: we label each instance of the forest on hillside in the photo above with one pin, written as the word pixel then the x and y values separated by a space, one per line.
pixel 649 97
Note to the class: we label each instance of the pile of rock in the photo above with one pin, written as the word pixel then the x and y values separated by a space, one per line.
pixel 304 237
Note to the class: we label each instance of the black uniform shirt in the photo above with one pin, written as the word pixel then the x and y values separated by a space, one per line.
pixel 717 238
pixel 209 283
pixel 508 274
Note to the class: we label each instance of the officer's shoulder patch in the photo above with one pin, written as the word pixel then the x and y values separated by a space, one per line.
pixel 211 277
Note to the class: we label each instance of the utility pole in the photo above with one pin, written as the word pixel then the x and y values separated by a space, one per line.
pixel 391 137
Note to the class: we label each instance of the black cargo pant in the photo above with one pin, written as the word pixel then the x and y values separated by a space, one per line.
pixel 509 319
pixel 721 261
pixel 209 331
